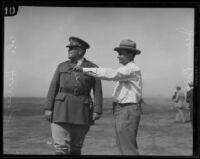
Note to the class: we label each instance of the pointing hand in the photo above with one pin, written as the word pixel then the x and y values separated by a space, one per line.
pixel 48 115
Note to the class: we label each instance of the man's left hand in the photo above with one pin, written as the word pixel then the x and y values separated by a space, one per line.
pixel 78 68
pixel 96 116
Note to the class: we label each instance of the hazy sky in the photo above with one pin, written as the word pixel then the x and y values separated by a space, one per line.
pixel 36 37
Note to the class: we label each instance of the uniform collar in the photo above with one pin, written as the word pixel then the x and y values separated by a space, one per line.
pixel 78 62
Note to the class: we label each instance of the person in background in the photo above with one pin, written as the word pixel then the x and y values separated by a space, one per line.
pixel 189 99
pixel 69 106
pixel 179 99
pixel 127 95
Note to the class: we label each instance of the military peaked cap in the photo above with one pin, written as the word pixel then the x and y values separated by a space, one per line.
pixel 77 42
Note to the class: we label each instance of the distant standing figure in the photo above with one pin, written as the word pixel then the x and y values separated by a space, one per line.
pixel 189 99
pixel 179 99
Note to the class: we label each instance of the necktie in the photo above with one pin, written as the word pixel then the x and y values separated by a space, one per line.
pixel 75 73
pixel 74 62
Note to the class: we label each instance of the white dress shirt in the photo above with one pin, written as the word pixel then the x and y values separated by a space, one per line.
pixel 80 61
pixel 128 88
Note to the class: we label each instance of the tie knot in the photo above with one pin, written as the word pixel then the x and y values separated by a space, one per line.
pixel 74 62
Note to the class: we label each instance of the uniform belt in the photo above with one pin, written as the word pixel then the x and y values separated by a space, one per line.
pixel 75 92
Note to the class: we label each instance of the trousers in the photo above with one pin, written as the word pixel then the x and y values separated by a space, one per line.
pixel 127 120
pixel 68 138
pixel 180 116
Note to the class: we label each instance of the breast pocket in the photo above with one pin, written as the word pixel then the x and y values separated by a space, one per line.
pixel 65 77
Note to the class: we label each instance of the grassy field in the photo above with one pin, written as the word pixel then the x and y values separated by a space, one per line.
pixel 26 132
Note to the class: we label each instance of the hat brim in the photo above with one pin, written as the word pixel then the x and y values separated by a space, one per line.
pixel 84 43
pixel 73 46
pixel 136 51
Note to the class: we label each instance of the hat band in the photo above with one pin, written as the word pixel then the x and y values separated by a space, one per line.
pixel 128 46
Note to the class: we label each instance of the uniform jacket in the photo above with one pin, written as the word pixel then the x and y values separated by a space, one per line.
pixel 69 107
pixel 189 97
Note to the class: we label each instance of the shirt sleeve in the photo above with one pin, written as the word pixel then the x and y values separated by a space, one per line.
pixel 120 74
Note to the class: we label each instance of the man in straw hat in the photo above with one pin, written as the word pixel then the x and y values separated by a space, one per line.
pixel 69 107
pixel 127 95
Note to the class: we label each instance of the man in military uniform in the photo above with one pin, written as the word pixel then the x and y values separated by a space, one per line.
pixel 189 99
pixel 69 106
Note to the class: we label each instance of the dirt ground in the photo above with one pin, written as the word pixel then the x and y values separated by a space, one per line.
pixel 26 132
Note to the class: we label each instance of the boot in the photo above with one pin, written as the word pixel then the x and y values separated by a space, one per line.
pixel 76 152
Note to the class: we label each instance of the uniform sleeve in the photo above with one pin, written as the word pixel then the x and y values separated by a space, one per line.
pixel 98 96
pixel 120 74
pixel 53 90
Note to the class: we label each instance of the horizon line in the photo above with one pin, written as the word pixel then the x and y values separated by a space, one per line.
pixel 158 96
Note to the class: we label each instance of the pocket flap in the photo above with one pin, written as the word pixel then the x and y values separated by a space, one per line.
pixel 61 96
pixel 87 100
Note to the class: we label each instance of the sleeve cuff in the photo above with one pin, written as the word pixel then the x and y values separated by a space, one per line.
pixel 94 70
